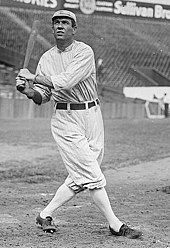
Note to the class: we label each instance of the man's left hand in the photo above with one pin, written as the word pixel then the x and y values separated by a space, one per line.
pixel 25 73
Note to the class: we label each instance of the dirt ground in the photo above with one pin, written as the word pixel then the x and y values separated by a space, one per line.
pixel 137 169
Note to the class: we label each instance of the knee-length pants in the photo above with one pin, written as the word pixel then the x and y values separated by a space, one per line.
pixel 79 135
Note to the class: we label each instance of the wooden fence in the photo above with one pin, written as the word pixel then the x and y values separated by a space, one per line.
pixel 24 108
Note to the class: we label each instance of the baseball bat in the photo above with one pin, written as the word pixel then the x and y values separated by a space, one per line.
pixel 30 46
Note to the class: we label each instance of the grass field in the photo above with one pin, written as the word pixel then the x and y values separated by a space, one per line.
pixel 31 170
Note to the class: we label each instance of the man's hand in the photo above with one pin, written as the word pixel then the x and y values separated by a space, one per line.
pixel 25 73
pixel 20 84
pixel 26 86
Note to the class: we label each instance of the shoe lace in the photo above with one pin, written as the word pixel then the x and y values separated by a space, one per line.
pixel 48 221
pixel 126 230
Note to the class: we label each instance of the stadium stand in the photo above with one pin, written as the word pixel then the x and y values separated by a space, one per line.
pixel 123 44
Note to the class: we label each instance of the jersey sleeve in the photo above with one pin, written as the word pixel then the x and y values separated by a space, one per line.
pixel 80 68
pixel 43 90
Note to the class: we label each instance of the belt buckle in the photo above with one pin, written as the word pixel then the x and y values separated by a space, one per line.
pixel 86 105
pixel 68 106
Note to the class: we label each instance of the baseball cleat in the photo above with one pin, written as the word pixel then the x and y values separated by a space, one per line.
pixel 47 224
pixel 127 232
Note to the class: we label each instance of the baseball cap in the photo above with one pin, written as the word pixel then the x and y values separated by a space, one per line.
pixel 65 13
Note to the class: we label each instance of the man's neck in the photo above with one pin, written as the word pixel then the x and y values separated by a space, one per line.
pixel 62 45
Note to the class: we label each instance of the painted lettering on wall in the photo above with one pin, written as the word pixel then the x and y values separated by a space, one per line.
pixel 132 9
pixel 42 3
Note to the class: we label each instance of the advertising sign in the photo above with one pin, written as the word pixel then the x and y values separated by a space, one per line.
pixel 153 9
pixel 33 4
pixel 150 9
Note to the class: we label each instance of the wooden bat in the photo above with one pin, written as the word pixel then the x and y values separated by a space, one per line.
pixel 30 46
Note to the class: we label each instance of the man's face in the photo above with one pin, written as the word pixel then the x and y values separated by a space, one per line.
pixel 63 29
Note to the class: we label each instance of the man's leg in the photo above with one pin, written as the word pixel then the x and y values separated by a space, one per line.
pixel 101 200
pixel 63 195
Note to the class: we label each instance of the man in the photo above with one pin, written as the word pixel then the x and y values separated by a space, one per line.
pixel 99 70
pixel 166 105
pixel 67 74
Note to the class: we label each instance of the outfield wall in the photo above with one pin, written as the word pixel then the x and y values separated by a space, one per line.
pixel 23 108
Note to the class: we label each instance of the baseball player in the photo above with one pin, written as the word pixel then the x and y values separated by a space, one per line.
pixel 66 73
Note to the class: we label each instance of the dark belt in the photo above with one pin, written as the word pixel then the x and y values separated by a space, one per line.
pixel 76 106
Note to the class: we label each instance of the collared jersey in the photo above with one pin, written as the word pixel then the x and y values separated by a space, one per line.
pixel 72 73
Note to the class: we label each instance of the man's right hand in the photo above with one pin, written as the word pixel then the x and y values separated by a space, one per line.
pixel 24 86
pixel 20 84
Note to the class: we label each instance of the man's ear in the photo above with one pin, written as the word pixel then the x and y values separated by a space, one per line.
pixel 74 30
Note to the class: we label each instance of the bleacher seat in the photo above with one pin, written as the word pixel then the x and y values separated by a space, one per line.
pixel 122 43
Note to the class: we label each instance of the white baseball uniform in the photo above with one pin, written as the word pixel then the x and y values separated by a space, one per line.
pixel 79 134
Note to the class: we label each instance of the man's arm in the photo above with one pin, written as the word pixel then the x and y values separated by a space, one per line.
pixel 35 96
pixel 29 91
pixel 80 68
pixel 39 79
pixel 43 80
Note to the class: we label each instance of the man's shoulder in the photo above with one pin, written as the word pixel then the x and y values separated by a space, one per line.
pixel 82 45
pixel 49 51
